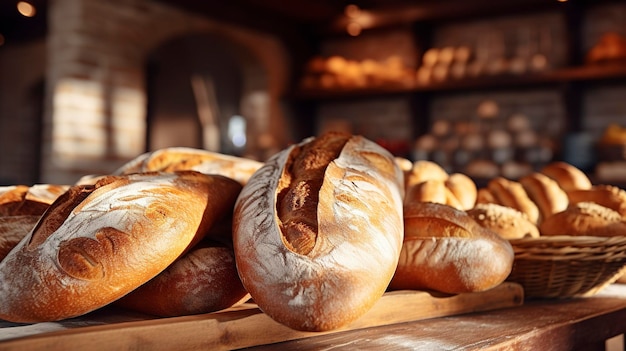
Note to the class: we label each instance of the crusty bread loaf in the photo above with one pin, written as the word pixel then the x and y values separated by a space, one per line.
pixel 203 280
pixel 546 193
pixel 13 229
pixel 97 243
pixel 318 230
pixel 511 193
pixel 506 221
pixel 432 190
pixel 584 218
pixel 446 250
pixel 18 200
pixel 464 190
pixel 423 170
pixel 609 196
pixel 567 176
pixel 185 158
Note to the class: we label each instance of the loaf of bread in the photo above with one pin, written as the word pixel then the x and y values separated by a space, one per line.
pixel 506 221
pixel 203 280
pixel 585 219
pixel 21 200
pixel 423 170
pixel 13 229
pixel 546 193
pixel 567 176
pixel 318 231
pixel 184 158
pixel 97 243
pixel 432 190
pixel 606 195
pixel 446 250
pixel 464 190
pixel 511 193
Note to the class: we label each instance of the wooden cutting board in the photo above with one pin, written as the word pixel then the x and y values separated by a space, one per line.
pixel 239 327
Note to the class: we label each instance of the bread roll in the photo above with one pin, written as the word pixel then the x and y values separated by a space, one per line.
pixel 184 158
pixel 567 176
pixel 545 193
pixel 425 170
pixel 511 193
pixel 432 190
pixel 446 250
pixel 464 190
pixel 508 222
pixel 584 218
pixel 203 280
pixel 606 195
pixel 13 229
pixel 318 231
pixel 97 243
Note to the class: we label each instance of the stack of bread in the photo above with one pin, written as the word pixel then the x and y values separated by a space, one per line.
pixel 315 235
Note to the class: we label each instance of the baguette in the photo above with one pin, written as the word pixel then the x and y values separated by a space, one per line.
pixel 97 243
pixel 318 231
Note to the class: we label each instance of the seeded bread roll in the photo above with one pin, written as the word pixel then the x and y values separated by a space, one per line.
pixel 318 231
pixel 545 193
pixel 508 222
pixel 446 250
pixel 606 195
pixel 567 176
pixel 184 158
pixel 585 218
pixel 97 243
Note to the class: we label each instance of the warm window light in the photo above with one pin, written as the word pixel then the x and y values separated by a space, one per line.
pixel 26 9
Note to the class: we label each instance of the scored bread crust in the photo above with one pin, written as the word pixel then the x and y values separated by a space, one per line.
pixel 447 251
pixel 356 247
pixel 546 193
pixel 172 159
pixel 98 243
pixel 18 200
pixel 13 229
pixel 512 194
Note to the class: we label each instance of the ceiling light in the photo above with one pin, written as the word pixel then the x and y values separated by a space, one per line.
pixel 26 9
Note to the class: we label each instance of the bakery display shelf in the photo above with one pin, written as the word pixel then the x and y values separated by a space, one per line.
pixel 586 73
pixel 237 327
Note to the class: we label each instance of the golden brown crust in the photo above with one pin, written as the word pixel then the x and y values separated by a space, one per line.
pixel 506 221
pixel 464 190
pixel 446 250
pixel 567 176
pixel 204 280
pixel 174 159
pixel 20 200
pixel 359 237
pixel 609 196
pixel 13 229
pixel 511 193
pixel 585 218
pixel 97 243
pixel 424 170
pixel 546 193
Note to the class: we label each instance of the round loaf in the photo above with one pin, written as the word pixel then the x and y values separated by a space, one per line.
pixel 447 251
pixel 508 222
pixel 204 280
pixel 423 170
pixel 318 231
pixel 97 243
pixel 546 193
pixel 584 218
pixel 567 176
pixel 185 158
pixel 511 193
pixel 606 195
pixel 432 190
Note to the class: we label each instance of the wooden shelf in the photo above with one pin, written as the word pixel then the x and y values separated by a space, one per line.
pixel 588 73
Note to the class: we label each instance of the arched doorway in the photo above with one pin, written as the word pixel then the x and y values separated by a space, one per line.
pixel 195 83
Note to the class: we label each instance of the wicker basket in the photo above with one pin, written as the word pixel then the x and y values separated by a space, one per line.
pixel 567 266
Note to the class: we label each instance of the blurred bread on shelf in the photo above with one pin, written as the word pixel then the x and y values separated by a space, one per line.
pixel 611 47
